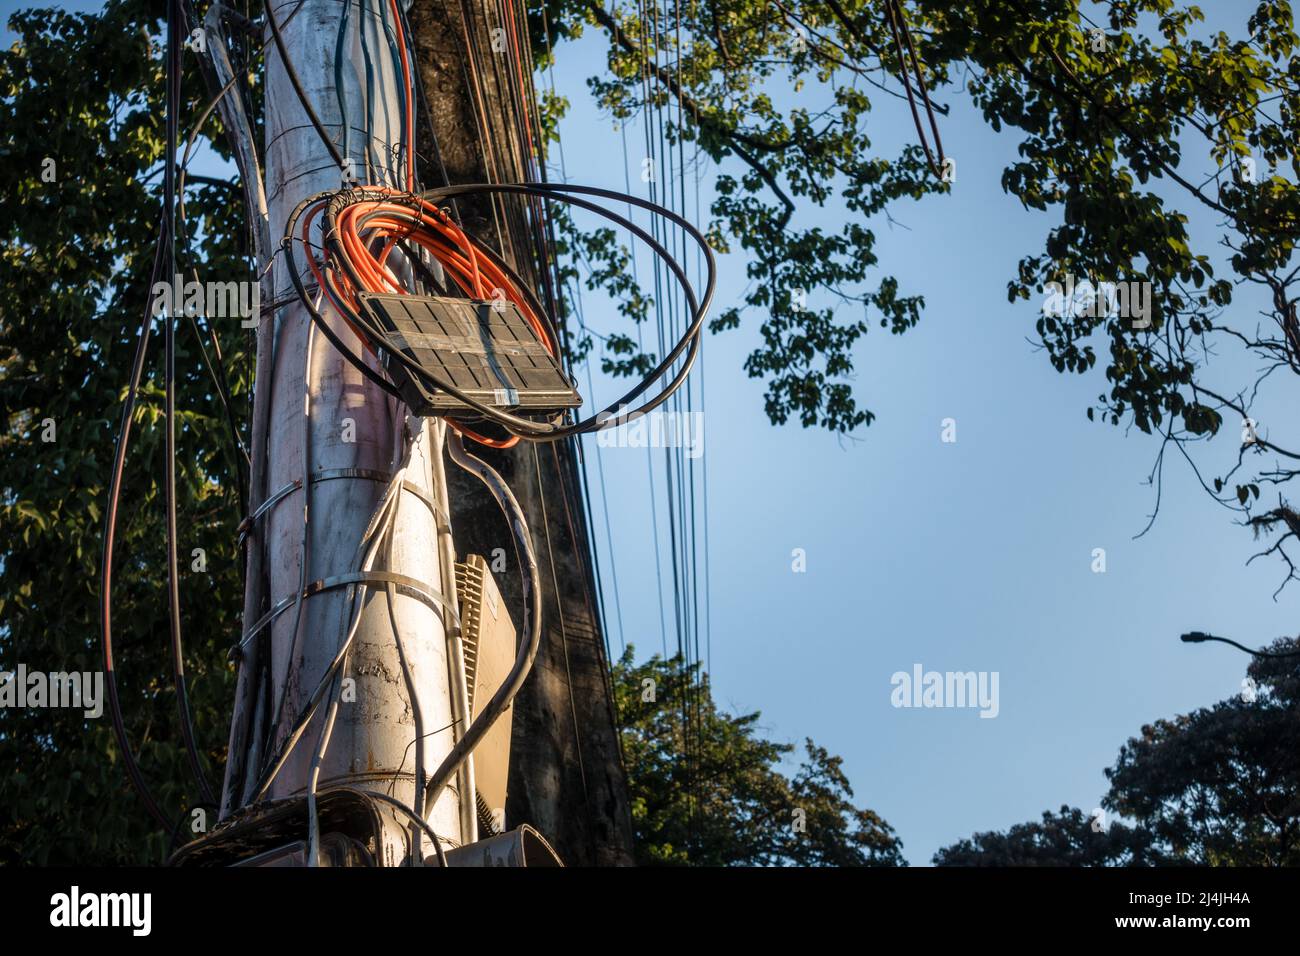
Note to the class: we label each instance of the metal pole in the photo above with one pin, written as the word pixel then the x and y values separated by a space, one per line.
pixel 341 439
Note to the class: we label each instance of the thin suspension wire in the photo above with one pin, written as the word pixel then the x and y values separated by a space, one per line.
pixel 575 298
pixel 175 23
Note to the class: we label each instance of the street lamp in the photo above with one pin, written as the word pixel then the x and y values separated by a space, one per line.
pixel 1199 637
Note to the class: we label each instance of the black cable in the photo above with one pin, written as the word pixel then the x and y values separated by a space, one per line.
pixel 415 817
pixel 530 584
pixel 207 71
pixel 691 337
pixel 286 244
pixel 525 428
pixel 110 527
pixel 357 320
pixel 174 67
pixel 164 255
pixel 897 25
pixel 487 252
pixel 218 371
pixel 297 88
pixel 422 98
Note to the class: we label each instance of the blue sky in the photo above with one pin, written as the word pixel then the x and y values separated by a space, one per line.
pixel 973 555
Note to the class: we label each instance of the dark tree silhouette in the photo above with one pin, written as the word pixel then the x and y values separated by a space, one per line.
pixel 1217 787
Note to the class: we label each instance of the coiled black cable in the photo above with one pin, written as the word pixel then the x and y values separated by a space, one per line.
pixel 610 417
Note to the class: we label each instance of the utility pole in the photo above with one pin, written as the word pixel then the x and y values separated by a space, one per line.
pixel 566 776
pixel 329 443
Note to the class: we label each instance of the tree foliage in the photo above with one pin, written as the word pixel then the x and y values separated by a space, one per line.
pixel 1122 143
pixel 1065 838
pixel 721 76
pixel 1133 127
pixel 84 91
pixel 1217 787
pixel 1221 785
pixel 727 803
pixel 1133 122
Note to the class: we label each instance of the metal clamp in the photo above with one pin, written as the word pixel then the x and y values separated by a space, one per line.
pixel 440 517
pixel 412 587
pixel 247 524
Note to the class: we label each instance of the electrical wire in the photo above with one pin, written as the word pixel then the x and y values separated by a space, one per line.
pixel 366 550
pixel 164 261
pixel 659 140
pixel 388 534
pixel 292 73
pixel 216 371
pixel 530 584
pixel 173 96
pixel 246 160
pixel 408 811
pixel 304 551
pixel 898 27
pixel 129 760
pixel 408 113
pixel 351 268
pixel 361 230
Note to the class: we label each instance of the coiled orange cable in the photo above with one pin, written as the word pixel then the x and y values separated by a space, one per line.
pixel 434 231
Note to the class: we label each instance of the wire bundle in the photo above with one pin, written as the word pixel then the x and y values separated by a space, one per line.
pixel 377 239
pixel 364 227
pixel 367 232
